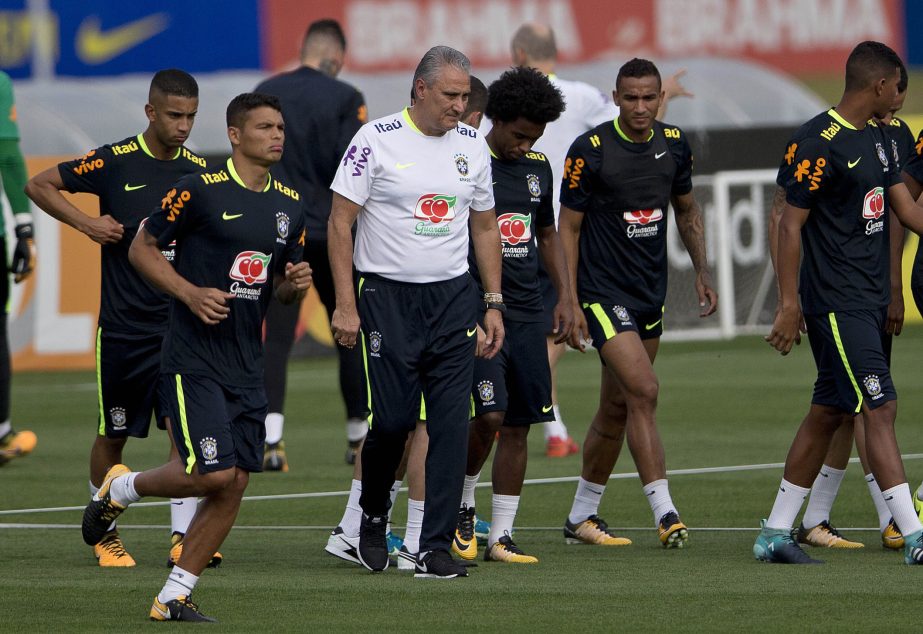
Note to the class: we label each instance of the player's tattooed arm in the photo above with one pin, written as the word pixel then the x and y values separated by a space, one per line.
pixel 208 304
pixel 775 214
pixel 45 191
pixel 569 229
pixel 294 284
pixel 692 232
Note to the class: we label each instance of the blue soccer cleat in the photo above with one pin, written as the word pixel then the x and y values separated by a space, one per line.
pixel 776 546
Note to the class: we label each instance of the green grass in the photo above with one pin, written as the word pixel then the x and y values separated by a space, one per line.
pixel 722 403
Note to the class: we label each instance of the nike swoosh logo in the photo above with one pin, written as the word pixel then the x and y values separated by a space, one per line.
pixel 547 409
pixel 95 46
pixel 180 503
pixel 659 154
pixel 653 325
pixel 403 166
pixel 852 164
pixel 227 216
pixel 131 188
pixel 472 331
pixel 461 545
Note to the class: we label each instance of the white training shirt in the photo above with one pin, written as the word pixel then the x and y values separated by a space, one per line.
pixel 585 108
pixel 415 191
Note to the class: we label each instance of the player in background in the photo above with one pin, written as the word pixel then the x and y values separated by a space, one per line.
pixel 13 172
pixel 512 390
pixel 239 234
pixel 344 539
pixel 619 179
pixel 533 45
pixel 815 528
pixel 845 179
pixel 130 177
pixel 321 114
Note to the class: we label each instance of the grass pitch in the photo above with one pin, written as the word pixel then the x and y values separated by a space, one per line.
pixel 722 404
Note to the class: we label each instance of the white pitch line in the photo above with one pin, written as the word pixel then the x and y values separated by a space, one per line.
pixel 642 529
pixel 563 479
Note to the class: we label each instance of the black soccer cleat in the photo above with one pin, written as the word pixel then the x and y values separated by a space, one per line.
pixel 373 542
pixel 102 511
pixel 180 609
pixel 439 564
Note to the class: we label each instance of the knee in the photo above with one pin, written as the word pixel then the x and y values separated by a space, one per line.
pixel 644 393
pixel 217 481
pixel 488 423
pixel 111 444
pixel 516 436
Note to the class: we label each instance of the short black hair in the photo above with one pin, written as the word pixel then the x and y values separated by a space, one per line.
pixel 904 80
pixel 477 98
pixel 523 92
pixel 869 62
pixel 243 103
pixel 327 27
pixel 173 82
pixel 638 68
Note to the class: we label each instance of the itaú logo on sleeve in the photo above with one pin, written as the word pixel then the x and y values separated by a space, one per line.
pixel 873 208
pixel 638 221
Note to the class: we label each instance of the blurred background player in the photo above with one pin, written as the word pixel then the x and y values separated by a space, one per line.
pixel 533 45
pixel 512 390
pixel 13 172
pixel 619 179
pixel 130 177
pixel 816 528
pixel 321 116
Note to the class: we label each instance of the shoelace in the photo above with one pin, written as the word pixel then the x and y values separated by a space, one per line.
pixel 507 544
pixel 599 522
pixel 375 537
pixel 114 545
pixel 466 522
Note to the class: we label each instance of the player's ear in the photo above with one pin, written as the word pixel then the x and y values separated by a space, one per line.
pixel 234 135
pixel 149 112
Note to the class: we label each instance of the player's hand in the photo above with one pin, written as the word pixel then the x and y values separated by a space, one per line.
pixel 494 334
pixel 345 326
pixel 563 321
pixel 104 230
pixel 708 297
pixel 673 88
pixel 895 321
pixel 210 304
pixel 481 338
pixel 580 333
pixel 298 275
pixel 786 329
pixel 23 253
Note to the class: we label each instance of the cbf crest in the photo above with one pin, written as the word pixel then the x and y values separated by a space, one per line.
pixel 209 447
pixel 117 415
pixel 872 385
pixel 282 224
pixel 375 343
pixel 881 154
pixel 621 313
pixel 461 164
pixel 535 187
pixel 486 391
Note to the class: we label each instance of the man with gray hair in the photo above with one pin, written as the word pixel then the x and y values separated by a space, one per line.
pixel 411 181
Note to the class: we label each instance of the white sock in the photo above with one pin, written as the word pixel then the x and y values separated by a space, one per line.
pixel 555 427
pixel 182 510
pixel 352 515
pixel 356 429
pixel 122 489
pixel 274 423
pixel 5 428
pixel 395 488
pixel 788 502
pixel 414 525
pixel 468 491
pixel 900 502
pixel 823 493
pixel 586 500
pixel 180 583
pixel 658 496
pixel 93 491
pixel 502 514
pixel 881 507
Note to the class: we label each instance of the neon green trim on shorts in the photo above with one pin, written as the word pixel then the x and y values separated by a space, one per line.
pixel 365 365
pixel 839 347
pixel 603 319
pixel 187 439
pixel 422 408
pixel 99 383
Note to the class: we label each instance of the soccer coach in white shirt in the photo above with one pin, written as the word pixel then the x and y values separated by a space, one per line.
pixel 409 180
